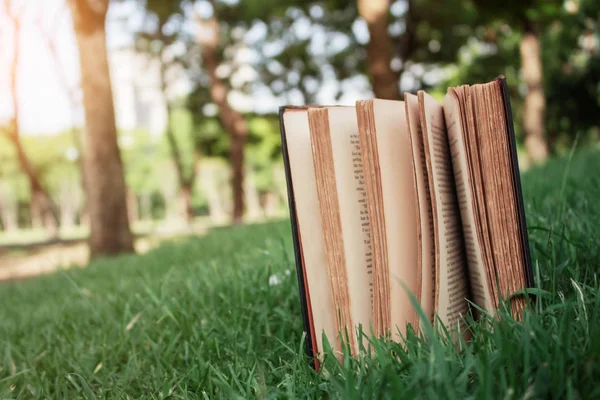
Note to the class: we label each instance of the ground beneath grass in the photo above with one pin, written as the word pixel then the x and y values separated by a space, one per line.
pixel 26 254
pixel 219 316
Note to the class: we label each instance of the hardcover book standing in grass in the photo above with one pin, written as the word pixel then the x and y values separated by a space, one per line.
pixel 390 196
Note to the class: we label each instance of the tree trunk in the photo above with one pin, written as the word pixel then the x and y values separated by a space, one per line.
pixel 232 120
pixel 74 95
pixel 84 215
pixel 132 207
pixel 211 188
pixel 68 216
pixel 40 200
pixel 104 179
pixel 39 196
pixel 69 202
pixel 185 181
pixel 37 222
pixel 185 202
pixel 534 106
pixel 170 197
pixel 380 49
pixel 238 142
pixel 49 218
pixel 255 210
pixel 270 203
pixel 9 220
pixel 9 208
pixel 145 207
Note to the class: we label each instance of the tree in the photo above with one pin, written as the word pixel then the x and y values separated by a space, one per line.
pixel 571 61
pixel 380 50
pixel 569 55
pixel 232 120
pixel 8 208
pixel 293 65
pixel 41 203
pixel 534 107
pixel 528 18
pixel 104 180
pixel 11 176
pixel 407 39
pixel 156 43
pixel 73 93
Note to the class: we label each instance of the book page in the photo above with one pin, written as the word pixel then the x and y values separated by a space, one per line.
pixel 398 200
pixel 309 226
pixel 331 221
pixel 500 193
pixel 472 141
pixel 456 136
pixel 451 277
pixel 352 197
pixel 426 255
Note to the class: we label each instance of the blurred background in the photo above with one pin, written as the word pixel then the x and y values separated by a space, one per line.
pixel 127 122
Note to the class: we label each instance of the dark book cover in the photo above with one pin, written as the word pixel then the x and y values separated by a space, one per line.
pixel 302 285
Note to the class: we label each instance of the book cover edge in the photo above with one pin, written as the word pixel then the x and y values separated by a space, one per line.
pixel 295 235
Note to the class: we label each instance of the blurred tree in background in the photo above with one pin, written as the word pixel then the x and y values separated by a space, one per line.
pixel 558 43
pixel 104 179
pixel 42 207
pixel 219 153
pixel 157 39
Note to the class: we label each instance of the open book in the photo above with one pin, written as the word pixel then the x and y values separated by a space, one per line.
pixel 391 197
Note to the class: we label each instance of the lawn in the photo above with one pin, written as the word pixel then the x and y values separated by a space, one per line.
pixel 219 316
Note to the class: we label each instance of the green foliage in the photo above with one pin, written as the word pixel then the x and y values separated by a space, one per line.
pixel 294 60
pixel 10 170
pixel 264 149
pixel 219 317
pixel 299 47
pixel 183 129
pixel 570 47
pixel 149 167
pixel 572 62
pixel 438 31
pixel 140 158
pixel 163 10
pixel 52 157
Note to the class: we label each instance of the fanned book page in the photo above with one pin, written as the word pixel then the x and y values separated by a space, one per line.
pixel 389 175
pixel 341 192
pixel 426 266
pixel 394 199
pixel 451 288
pixel 462 163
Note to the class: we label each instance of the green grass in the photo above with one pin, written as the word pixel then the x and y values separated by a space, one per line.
pixel 199 319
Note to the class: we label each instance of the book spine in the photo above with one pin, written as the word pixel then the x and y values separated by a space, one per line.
pixel 304 304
